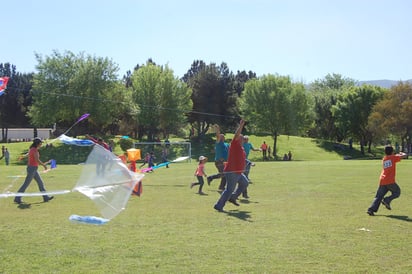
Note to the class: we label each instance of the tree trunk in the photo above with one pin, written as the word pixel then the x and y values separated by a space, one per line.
pixel 275 141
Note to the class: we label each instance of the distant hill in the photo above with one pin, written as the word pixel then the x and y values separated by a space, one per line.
pixel 382 83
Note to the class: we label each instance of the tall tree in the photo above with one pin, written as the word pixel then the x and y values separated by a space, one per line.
pixel 275 105
pixel 325 94
pixel 68 85
pixel 15 101
pixel 351 112
pixel 214 96
pixel 163 100
pixel 392 115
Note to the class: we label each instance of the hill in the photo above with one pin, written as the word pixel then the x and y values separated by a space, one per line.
pixel 383 83
pixel 302 149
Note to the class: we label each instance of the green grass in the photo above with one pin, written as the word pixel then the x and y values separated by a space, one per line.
pixel 304 216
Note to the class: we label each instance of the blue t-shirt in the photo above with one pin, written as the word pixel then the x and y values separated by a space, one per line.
pixel 221 150
pixel 247 147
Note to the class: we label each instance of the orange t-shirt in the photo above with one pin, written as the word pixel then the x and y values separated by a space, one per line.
pixel 389 169
pixel 32 160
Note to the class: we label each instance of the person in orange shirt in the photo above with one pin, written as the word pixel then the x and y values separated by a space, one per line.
pixel 32 171
pixel 387 181
pixel 264 148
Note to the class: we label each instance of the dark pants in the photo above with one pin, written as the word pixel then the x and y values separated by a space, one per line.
pixel 200 183
pixel 220 167
pixel 380 194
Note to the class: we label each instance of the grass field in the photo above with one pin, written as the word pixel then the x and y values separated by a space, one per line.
pixel 304 216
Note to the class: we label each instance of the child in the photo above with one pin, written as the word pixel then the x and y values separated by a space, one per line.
pixel 199 173
pixel 145 160
pixel 387 181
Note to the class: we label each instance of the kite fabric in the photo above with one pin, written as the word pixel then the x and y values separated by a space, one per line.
pixel 3 84
pixel 74 141
pixel 107 181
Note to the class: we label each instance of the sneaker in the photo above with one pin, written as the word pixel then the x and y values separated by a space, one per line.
pixel 217 208
pixel 17 201
pixel 201 193
pixel 49 198
pixel 386 204
pixel 233 201
pixel 192 185
pixel 246 196
pixel 370 213
pixel 209 180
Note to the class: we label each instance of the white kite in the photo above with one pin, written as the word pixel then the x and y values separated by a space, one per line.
pixel 105 179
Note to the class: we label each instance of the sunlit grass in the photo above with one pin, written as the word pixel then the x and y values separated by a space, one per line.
pixel 303 216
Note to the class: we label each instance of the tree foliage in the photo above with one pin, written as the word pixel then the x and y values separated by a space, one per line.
pixel 273 104
pixel 351 113
pixel 325 94
pixel 15 101
pixel 214 96
pixel 392 115
pixel 68 85
pixel 162 99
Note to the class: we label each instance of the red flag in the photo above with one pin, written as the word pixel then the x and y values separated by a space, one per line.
pixel 3 84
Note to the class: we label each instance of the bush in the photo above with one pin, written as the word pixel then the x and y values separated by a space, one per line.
pixel 125 144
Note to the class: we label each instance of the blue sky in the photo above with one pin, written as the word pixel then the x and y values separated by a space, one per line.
pixel 304 39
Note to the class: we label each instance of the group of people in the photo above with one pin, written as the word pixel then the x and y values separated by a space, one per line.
pixel 233 166
pixel 231 161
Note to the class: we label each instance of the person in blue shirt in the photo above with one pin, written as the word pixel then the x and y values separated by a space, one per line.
pixel 221 153
pixel 247 147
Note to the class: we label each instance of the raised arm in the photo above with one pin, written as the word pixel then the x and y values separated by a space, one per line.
pixel 239 129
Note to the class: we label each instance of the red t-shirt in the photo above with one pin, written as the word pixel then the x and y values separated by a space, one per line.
pixel 236 160
pixel 389 169
pixel 32 160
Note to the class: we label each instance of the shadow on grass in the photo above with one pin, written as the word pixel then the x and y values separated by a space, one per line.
pixel 242 215
pixel 24 206
pixel 401 218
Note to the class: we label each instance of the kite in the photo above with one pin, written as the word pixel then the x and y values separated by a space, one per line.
pixel 104 179
pixel 84 116
pixel 3 84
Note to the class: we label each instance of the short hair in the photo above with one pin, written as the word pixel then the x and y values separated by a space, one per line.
pixel 388 150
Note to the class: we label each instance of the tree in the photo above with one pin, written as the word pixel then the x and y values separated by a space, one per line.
pixel 213 95
pixel 392 115
pixel 15 101
pixel 352 111
pixel 163 100
pixel 325 94
pixel 273 104
pixel 68 85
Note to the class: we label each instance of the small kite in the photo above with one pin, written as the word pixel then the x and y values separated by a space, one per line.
pixel 3 84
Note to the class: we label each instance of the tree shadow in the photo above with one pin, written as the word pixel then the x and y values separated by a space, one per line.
pixel 401 218
pixel 240 214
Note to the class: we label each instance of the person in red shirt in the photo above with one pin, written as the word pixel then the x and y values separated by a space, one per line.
pixel 233 171
pixel 32 171
pixel 387 181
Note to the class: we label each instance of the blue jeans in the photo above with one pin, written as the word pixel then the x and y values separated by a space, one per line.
pixel 32 173
pixel 231 180
pixel 380 194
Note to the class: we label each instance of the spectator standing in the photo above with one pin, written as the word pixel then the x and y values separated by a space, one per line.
pixel 264 148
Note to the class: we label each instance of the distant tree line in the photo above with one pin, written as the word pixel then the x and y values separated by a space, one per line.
pixel 151 102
